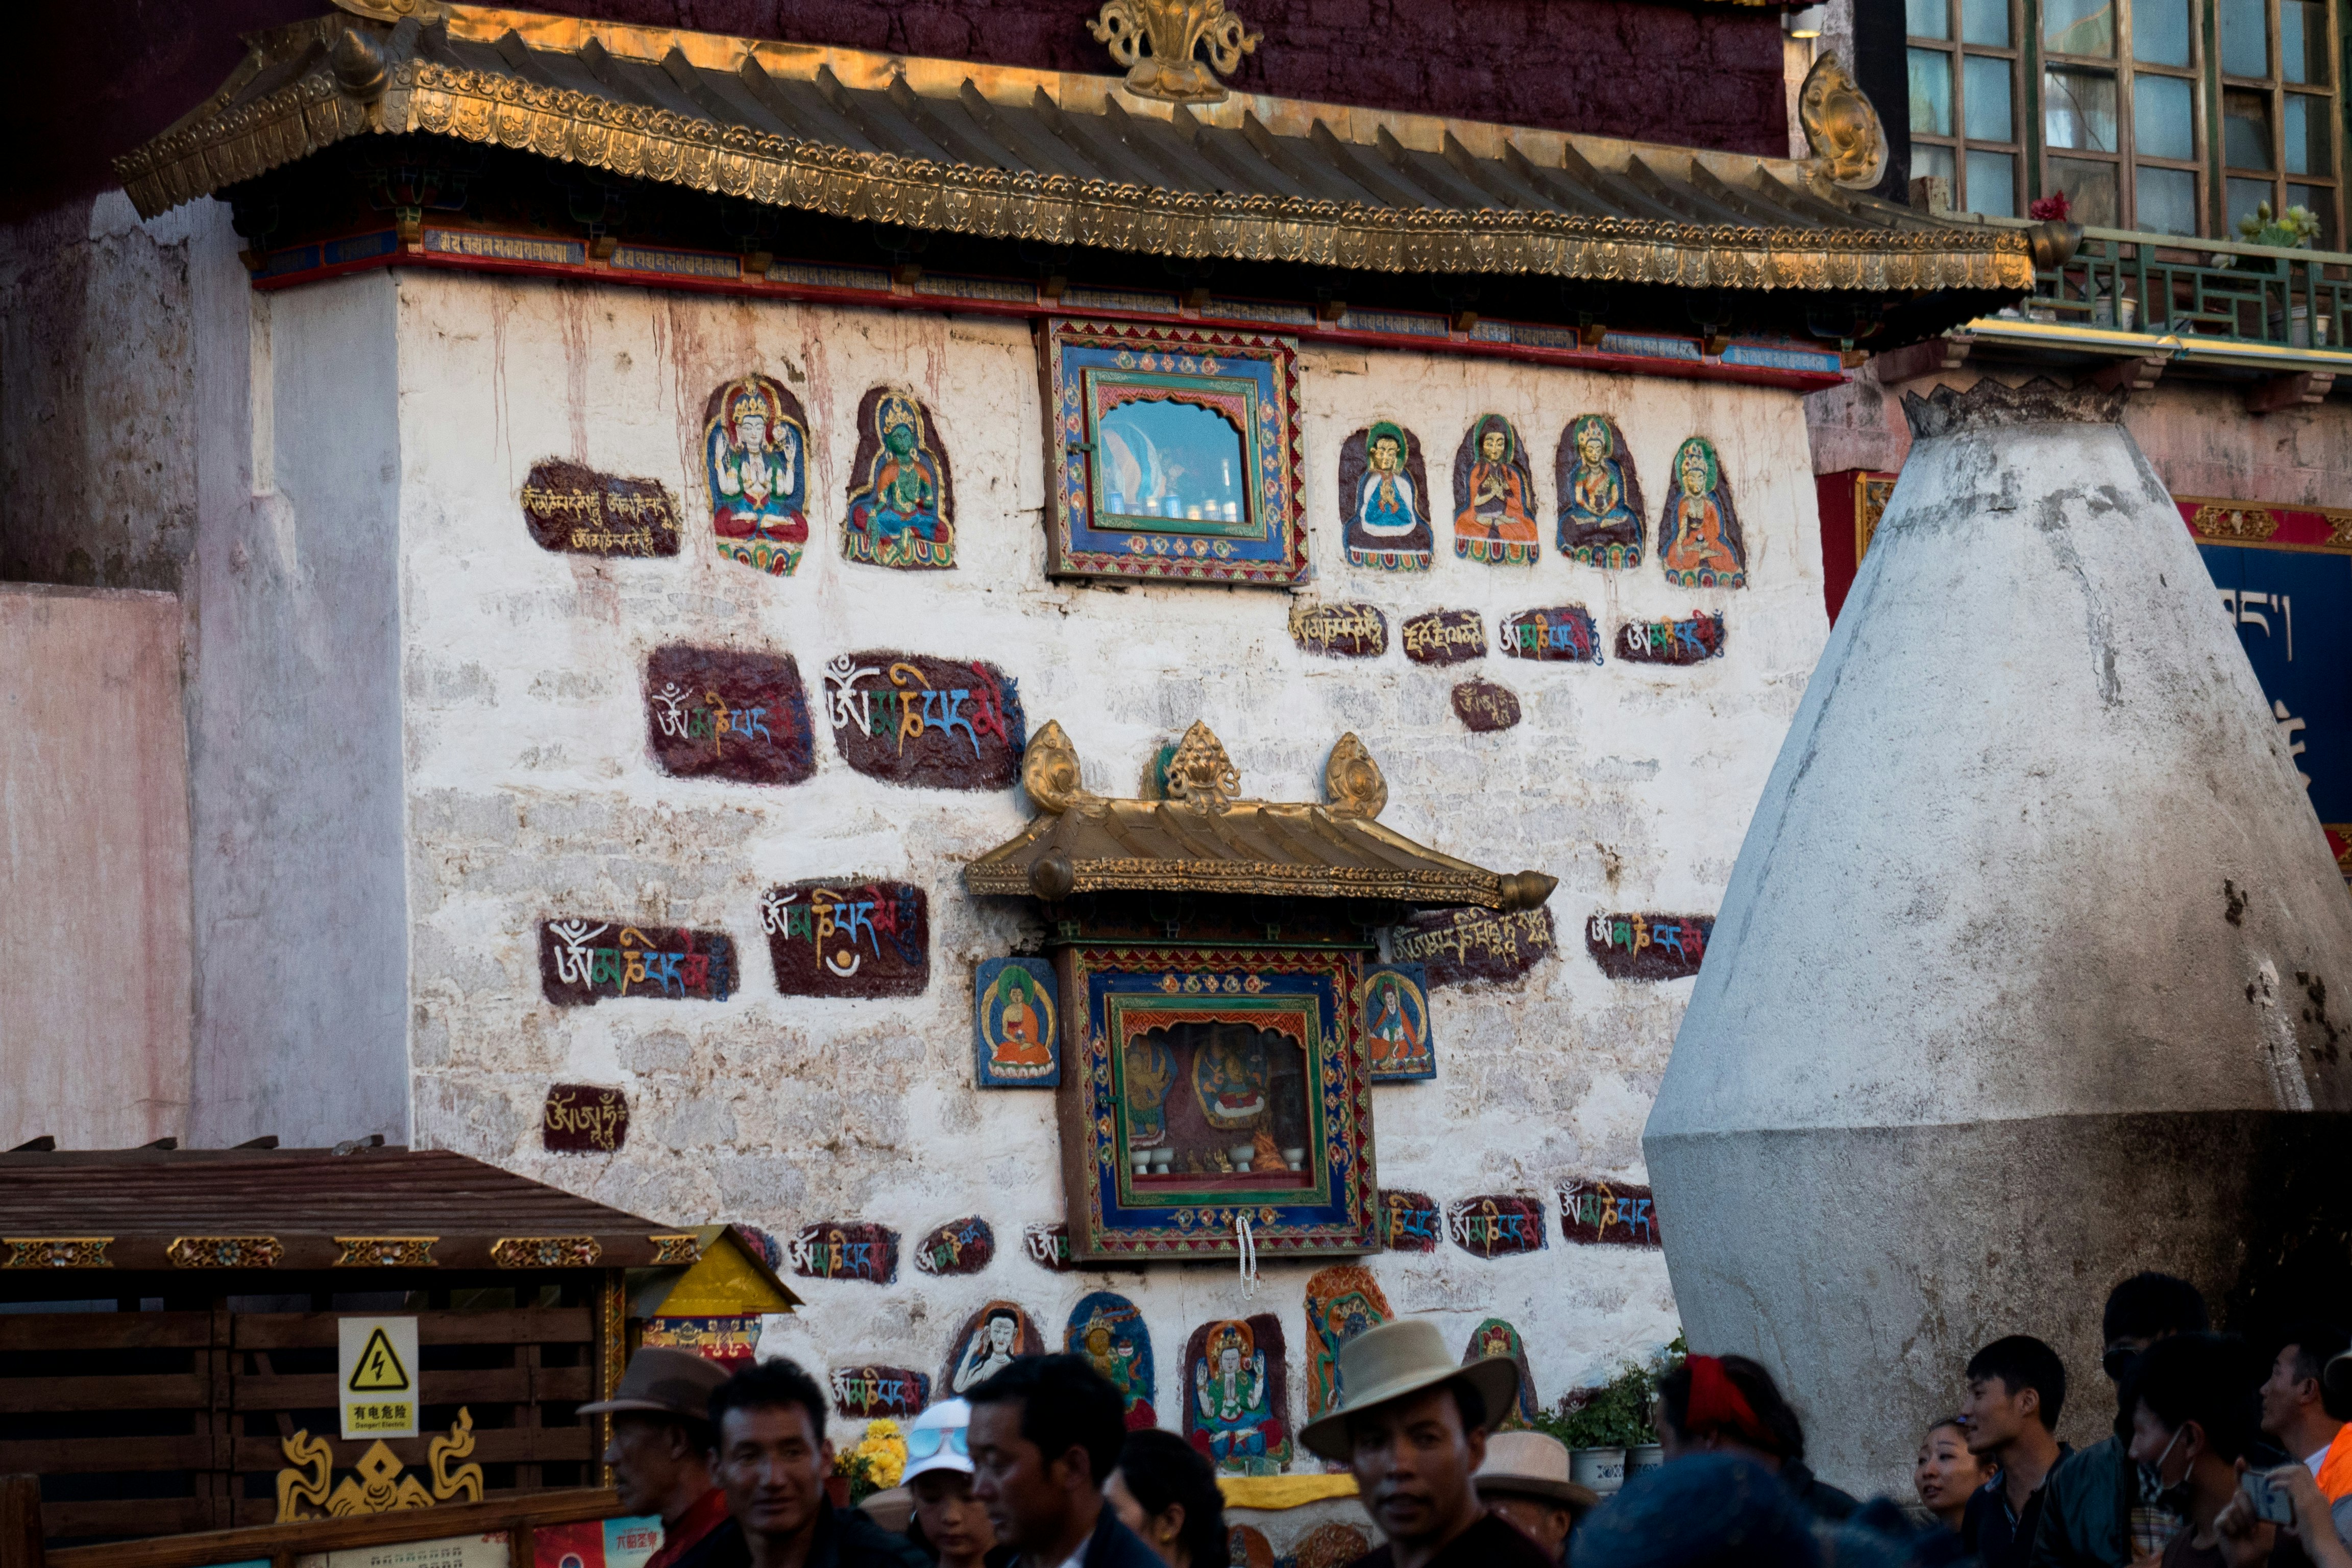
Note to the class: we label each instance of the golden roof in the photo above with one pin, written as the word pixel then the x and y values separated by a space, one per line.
pixel 1202 839
pixel 1063 158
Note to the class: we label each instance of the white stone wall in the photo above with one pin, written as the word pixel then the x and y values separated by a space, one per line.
pixel 532 792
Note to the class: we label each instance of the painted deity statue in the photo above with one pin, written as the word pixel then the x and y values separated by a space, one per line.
pixel 1601 505
pixel 1397 1036
pixel 1232 1416
pixel 1121 1364
pixel 1698 534
pixel 992 1348
pixel 1151 1069
pixel 1230 1080
pixel 1386 507
pixel 755 461
pixel 898 518
pixel 1495 522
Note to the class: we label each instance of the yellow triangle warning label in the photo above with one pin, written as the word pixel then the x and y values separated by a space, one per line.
pixel 378 1370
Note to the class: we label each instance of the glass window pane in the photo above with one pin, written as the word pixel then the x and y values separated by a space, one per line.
pixel 1931 162
pixel 2160 32
pixel 1987 22
pixel 2302 41
pixel 1931 93
pixel 2168 201
pixel 1987 78
pixel 2164 117
pixel 2307 145
pixel 1929 18
pixel 2246 130
pixel 2245 38
pixel 2320 202
pixel 1992 183
pixel 2243 197
pixel 2090 190
pixel 2078 109
pixel 2080 26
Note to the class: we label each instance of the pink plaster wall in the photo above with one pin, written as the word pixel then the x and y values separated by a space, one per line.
pixel 94 1005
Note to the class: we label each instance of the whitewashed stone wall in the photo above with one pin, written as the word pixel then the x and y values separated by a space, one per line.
pixel 532 792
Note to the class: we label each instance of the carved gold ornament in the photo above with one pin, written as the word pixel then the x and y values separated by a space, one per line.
pixel 385 1251
pixel 2215 520
pixel 1352 780
pixel 685 1248
pixel 1841 126
pixel 546 1251
pixel 375 1484
pixel 1049 770
pixel 1170 30
pixel 56 1251
pixel 225 1251
pixel 1200 772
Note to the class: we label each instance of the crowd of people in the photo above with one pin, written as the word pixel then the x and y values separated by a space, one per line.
pixel 2215 1460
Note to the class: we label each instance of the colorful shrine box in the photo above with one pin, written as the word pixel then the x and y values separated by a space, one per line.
pixel 712 1306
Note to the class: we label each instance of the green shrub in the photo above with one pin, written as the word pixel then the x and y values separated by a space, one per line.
pixel 1617 1413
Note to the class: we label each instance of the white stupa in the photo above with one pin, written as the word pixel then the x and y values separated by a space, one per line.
pixel 2035 969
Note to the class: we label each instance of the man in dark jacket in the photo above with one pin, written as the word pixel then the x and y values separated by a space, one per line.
pixel 1045 1433
pixel 660 1451
pixel 773 1459
pixel 2099 1509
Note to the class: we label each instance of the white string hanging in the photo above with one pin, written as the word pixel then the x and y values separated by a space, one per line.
pixel 1248 1255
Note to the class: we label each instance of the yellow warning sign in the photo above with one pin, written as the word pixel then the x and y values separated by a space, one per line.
pixel 379 1370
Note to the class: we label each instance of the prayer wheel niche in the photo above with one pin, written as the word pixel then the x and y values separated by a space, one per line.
pixel 2033 969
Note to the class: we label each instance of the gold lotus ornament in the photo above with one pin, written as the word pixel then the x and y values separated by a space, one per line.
pixel 1841 125
pixel 1172 30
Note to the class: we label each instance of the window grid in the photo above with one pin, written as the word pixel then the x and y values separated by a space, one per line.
pixel 2277 89
pixel 1966 148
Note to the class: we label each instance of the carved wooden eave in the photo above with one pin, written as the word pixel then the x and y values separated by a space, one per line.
pixel 1061 159
pixel 1204 839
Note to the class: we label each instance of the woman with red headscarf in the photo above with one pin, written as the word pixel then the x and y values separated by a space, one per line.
pixel 1730 1404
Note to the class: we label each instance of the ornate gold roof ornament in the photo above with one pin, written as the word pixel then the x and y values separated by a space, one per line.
pixel 358 65
pixel 395 10
pixel 1205 839
pixel 1841 126
pixel 1352 780
pixel 1200 772
pixel 1173 29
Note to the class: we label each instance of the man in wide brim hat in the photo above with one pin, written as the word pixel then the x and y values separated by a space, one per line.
pixel 1526 1478
pixel 660 1453
pixel 1411 1424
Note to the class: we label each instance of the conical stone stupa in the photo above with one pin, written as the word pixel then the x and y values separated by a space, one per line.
pixel 2034 971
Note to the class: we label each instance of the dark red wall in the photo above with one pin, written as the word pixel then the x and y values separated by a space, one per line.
pixel 1703 77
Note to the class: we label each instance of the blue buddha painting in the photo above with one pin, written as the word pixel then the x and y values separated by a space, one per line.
pixel 1384 497
pixel 899 514
pixel 1599 499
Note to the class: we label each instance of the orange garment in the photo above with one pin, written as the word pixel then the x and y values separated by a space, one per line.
pixel 2336 1469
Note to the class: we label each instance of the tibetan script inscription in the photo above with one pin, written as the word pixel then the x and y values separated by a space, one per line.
pixel 1608 1213
pixel 1648 947
pixel 574 509
pixel 867 1393
pixel 1340 631
pixel 1409 1222
pixel 1445 636
pixel 1048 1247
pixel 582 961
pixel 1562 634
pixel 1482 706
pixel 845 1249
pixel 579 1119
pixel 960 1246
pixel 740 716
pixel 1694 637
pixel 1496 1226
pixel 910 719
pixel 846 939
pixel 1459 945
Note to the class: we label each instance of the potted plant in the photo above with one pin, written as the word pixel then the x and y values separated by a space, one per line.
pixel 873 1465
pixel 1605 1427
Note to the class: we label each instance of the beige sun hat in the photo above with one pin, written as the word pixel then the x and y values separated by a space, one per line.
pixel 1531 1464
pixel 1397 1359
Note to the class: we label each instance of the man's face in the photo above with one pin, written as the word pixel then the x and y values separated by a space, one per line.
pixel 647 1455
pixel 2284 1391
pixel 1995 1416
pixel 1413 1462
pixel 1028 1498
pixel 772 1464
pixel 1491 444
pixel 2170 1449
pixel 1546 1522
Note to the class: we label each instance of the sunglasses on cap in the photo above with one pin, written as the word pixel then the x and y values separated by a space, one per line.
pixel 924 1442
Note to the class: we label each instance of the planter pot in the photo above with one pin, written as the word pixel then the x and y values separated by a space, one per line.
pixel 1603 1469
pixel 1648 1457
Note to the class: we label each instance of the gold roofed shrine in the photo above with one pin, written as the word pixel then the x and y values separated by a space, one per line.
pixel 1213 955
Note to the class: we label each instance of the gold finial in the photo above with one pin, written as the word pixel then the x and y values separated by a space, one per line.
pixel 1049 770
pixel 1200 772
pixel 358 65
pixel 1352 780
pixel 1173 29
pixel 396 10
pixel 1841 126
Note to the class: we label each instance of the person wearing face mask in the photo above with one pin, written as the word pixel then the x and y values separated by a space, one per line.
pixel 2099 1509
pixel 950 1524
pixel 1947 1472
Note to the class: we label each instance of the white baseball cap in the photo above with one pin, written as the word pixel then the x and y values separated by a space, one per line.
pixel 936 1440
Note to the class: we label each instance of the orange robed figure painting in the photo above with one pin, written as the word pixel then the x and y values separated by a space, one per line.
pixel 1014 1021
pixel 1698 535
pixel 1493 518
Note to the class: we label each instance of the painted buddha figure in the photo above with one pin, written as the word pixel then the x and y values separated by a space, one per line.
pixel 1230 1080
pixel 1599 523
pixel 896 516
pixel 1151 1069
pixel 1396 1037
pixel 1386 506
pixel 1231 1415
pixel 1020 1042
pixel 1698 537
pixel 1496 524
pixel 755 463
